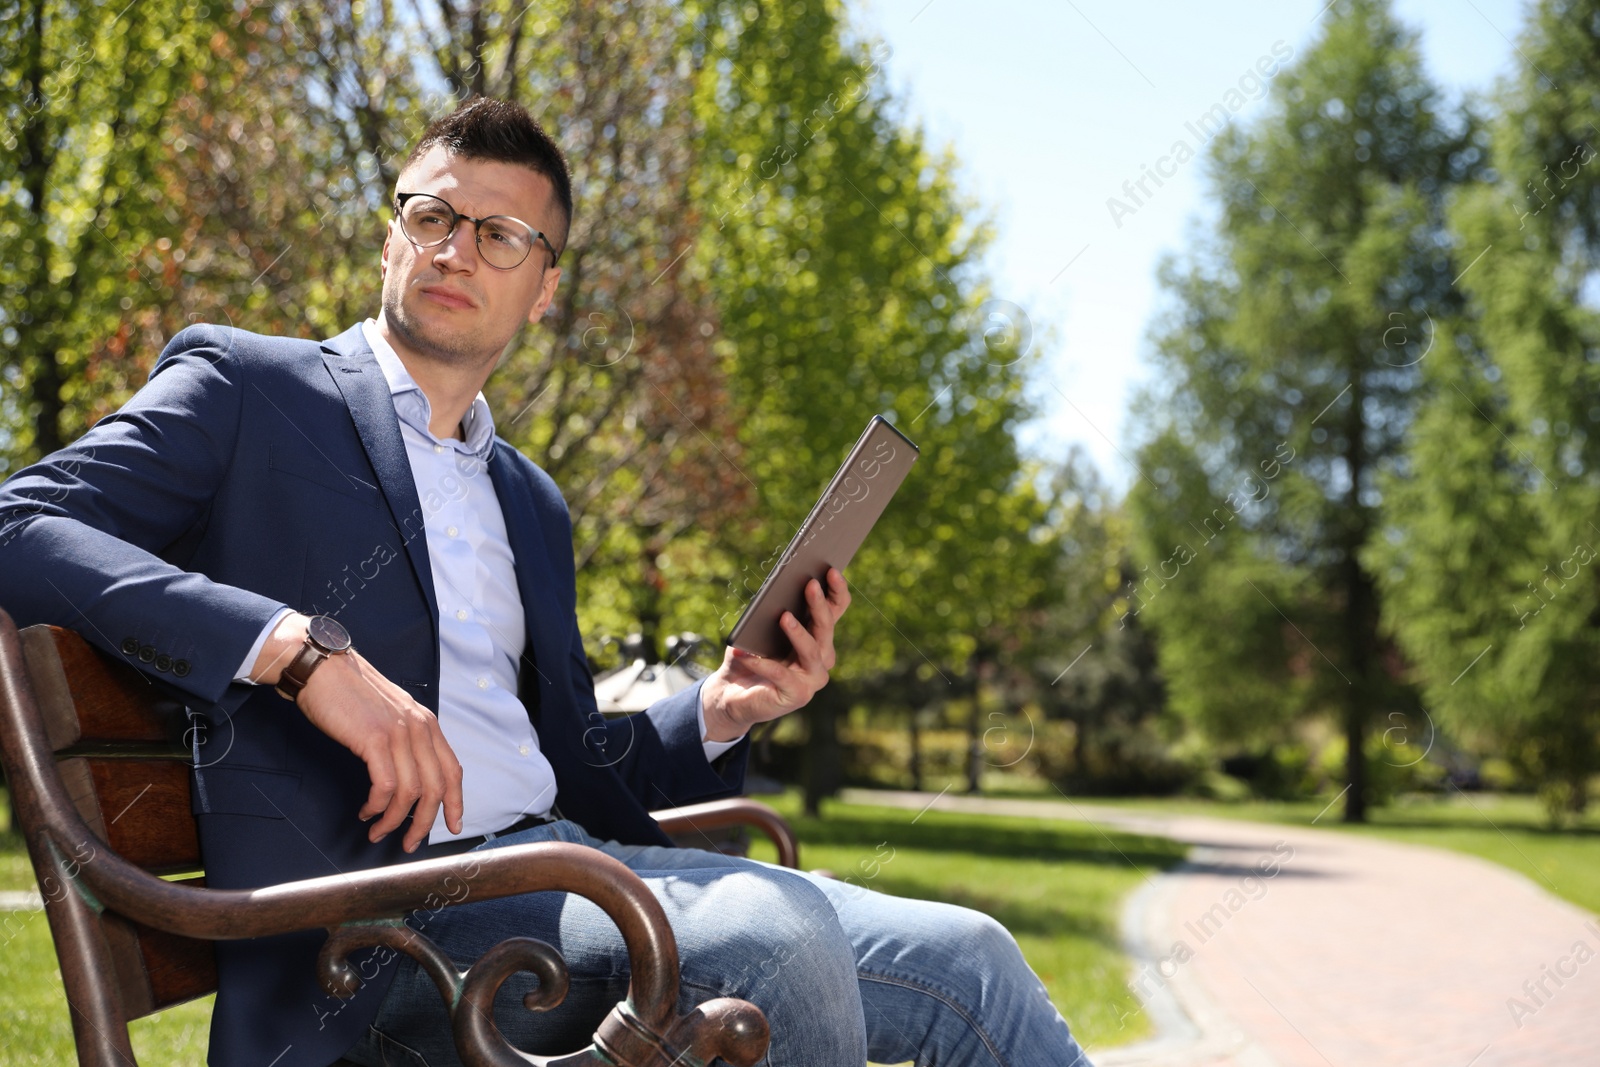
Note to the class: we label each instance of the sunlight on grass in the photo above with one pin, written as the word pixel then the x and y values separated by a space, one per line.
pixel 35 1028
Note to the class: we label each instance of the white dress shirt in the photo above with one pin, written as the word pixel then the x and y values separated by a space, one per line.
pixel 482 632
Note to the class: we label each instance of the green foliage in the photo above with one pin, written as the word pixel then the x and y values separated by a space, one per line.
pixel 763 254
pixel 1487 563
pixel 88 99
pixel 881 756
pixel 1262 479
pixel 1082 662
pixel 845 274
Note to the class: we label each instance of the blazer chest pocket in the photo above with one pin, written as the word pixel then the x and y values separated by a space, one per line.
pixel 319 470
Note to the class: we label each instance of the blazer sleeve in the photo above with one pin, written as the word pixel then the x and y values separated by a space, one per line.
pixel 657 752
pixel 82 532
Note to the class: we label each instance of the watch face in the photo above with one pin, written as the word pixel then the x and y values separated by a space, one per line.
pixel 328 634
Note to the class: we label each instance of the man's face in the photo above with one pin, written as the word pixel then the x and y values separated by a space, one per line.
pixel 445 302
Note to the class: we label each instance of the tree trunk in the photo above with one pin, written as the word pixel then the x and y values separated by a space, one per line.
pixel 36 348
pixel 1580 761
pixel 822 759
pixel 982 659
pixel 1080 747
pixel 650 590
pixel 45 385
pixel 916 749
pixel 975 745
pixel 1355 763
pixel 1360 619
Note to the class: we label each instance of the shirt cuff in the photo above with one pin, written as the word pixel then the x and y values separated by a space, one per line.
pixel 713 749
pixel 249 664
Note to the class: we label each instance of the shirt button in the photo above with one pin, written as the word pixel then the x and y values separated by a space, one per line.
pixel 483 683
pixel 437 449
pixel 451 531
pixel 522 749
pixel 462 614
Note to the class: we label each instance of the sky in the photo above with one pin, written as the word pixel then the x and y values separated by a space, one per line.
pixel 1050 106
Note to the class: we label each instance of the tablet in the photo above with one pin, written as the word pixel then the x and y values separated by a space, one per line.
pixel 829 537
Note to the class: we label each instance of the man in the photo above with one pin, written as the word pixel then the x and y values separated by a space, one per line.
pixel 360 479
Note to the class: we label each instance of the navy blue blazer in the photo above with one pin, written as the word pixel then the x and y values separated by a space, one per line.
pixel 254 472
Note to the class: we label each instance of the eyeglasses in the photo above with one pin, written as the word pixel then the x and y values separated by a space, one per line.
pixel 503 242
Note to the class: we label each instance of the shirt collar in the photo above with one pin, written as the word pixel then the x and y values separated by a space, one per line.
pixel 412 406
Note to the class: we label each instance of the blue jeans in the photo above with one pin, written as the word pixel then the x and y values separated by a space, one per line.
pixel 844 974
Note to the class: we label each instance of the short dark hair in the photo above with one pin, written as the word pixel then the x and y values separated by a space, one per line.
pixel 504 132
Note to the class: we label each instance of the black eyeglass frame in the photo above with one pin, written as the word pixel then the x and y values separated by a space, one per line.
pixel 477 235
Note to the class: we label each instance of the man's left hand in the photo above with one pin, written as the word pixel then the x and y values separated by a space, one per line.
pixel 748 689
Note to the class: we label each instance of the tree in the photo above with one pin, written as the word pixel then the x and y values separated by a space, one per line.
pixel 1084 658
pixel 1284 409
pixel 247 174
pixel 846 276
pixel 1488 563
pixel 755 229
pixel 86 108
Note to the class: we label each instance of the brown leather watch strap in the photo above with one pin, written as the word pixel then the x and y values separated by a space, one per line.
pixel 298 672
pixel 324 637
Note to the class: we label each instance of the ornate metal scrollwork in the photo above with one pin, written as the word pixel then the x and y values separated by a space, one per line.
pixel 731 1029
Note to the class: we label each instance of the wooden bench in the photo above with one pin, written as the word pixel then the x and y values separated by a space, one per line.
pixel 100 784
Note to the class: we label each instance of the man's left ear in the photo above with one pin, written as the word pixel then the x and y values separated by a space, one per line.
pixel 547 293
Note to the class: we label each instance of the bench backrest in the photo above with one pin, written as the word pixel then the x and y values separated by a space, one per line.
pixel 121 751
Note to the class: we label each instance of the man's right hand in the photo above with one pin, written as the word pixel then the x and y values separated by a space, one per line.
pixel 408 759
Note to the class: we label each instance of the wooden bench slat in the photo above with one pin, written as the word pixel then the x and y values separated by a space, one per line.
pixel 154 969
pixel 87 698
pixel 145 805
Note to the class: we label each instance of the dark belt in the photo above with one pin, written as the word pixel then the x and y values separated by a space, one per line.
pixel 467 844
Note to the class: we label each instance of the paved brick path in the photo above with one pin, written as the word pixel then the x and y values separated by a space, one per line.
pixel 1279 946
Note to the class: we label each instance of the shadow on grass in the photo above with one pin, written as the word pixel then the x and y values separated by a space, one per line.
pixel 1006 837
pixel 1022 919
pixel 1477 821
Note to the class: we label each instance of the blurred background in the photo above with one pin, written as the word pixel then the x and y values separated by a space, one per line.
pixel 1252 351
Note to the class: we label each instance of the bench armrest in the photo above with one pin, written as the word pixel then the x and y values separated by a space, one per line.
pixel 735 811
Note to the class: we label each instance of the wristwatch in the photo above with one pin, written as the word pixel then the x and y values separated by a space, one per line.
pixel 325 637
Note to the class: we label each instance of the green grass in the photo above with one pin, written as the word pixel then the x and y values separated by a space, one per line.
pixel 35 1029
pixel 1508 830
pixel 1057 886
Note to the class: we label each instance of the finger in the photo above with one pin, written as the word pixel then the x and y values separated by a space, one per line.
pixel 775 671
pixel 431 777
pixel 824 617
pixel 807 653
pixel 838 592
pixel 454 802
pixel 407 788
pixel 380 768
pixel 822 613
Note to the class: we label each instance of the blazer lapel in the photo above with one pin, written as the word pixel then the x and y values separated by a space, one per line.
pixel 541 611
pixel 355 371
